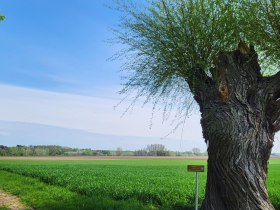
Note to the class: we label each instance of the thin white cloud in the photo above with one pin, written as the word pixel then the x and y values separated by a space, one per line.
pixel 88 113
pixel 4 133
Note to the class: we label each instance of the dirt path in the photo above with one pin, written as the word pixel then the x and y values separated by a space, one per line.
pixel 11 202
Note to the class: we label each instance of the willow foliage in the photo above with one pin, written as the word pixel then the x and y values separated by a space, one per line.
pixel 261 25
pixel 168 41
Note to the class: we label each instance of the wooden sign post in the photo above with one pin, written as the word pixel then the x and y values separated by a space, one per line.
pixel 196 169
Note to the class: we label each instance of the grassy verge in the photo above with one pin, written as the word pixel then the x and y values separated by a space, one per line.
pixel 165 184
pixel 39 195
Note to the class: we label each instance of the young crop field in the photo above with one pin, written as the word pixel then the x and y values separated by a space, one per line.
pixel 161 184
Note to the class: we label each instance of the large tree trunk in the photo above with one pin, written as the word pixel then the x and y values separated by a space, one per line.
pixel 239 119
pixel 239 146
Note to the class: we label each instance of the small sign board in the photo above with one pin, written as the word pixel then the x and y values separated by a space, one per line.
pixel 195 168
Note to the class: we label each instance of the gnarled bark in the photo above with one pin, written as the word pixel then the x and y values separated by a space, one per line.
pixel 239 120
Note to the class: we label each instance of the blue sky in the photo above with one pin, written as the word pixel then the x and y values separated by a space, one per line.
pixel 55 73
pixel 58 45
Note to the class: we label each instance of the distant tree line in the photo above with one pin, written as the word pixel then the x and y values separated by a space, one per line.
pixel 49 150
pixel 54 150
pixel 153 150
pixel 160 150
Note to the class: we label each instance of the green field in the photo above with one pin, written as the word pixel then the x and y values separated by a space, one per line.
pixel 149 184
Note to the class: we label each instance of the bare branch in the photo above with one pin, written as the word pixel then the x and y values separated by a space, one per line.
pixel 274 115
pixel 198 82
pixel 273 86
pixel 276 82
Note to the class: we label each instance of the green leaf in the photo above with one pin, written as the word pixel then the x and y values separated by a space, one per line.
pixel 2 17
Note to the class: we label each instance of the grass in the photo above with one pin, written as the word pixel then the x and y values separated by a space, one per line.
pixel 40 195
pixel 152 184
pixel 163 183
pixel 273 182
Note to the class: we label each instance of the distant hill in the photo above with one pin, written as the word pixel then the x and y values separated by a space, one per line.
pixel 21 133
pixel 275 154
